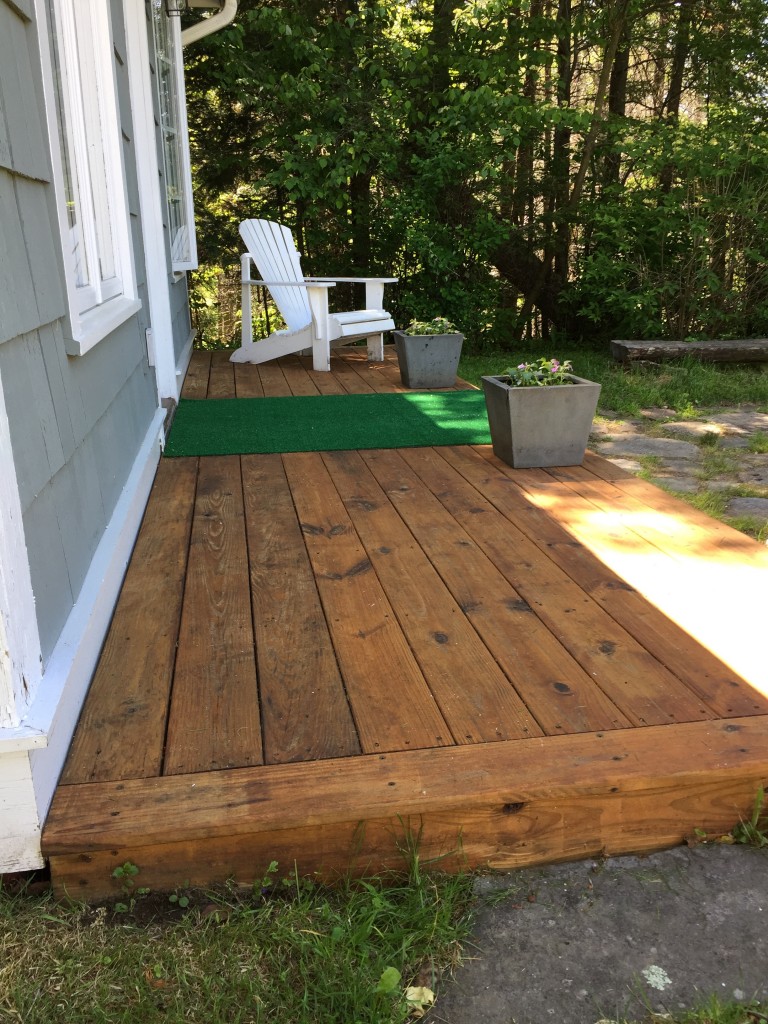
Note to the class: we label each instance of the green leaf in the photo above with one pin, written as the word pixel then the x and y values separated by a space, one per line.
pixel 388 982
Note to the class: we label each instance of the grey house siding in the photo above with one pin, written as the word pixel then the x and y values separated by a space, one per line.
pixel 76 422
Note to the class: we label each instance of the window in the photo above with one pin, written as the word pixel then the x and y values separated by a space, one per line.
pixel 173 125
pixel 88 172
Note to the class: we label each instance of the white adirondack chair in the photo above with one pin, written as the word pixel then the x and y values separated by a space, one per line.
pixel 303 303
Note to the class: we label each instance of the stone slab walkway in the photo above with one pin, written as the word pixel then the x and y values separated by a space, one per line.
pixel 724 450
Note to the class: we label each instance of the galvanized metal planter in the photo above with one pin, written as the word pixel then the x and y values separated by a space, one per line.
pixel 539 427
pixel 428 360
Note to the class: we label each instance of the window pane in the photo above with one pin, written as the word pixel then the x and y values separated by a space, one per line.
pixel 68 162
pixel 170 119
pixel 94 130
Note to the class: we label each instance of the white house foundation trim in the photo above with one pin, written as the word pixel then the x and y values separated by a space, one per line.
pixel 32 754
pixel 20 653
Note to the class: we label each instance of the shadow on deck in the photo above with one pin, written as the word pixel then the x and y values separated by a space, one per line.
pixel 318 656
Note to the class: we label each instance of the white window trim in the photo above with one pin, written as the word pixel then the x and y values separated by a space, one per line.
pixel 87 329
pixel 179 267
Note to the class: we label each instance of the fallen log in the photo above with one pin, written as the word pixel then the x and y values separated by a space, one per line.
pixel 750 350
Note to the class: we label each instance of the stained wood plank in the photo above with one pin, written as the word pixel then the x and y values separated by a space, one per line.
pixel 273 380
pixel 122 726
pixel 369 644
pixel 641 685
pixel 198 372
pixel 248 381
pixel 347 375
pixel 626 763
pixel 304 708
pixel 221 383
pixel 699 530
pixel 707 676
pixel 297 377
pixel 556 689
pixel 690 591
pixel 214 715
pixel 473 694
pixel 571 825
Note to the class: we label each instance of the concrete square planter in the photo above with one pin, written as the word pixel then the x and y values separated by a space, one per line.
pixel 540 426
pixel 428 360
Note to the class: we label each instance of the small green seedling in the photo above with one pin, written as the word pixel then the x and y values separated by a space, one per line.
pixel 755 831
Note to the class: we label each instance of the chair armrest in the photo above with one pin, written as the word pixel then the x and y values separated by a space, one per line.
pixel 288 284
pixel 352 280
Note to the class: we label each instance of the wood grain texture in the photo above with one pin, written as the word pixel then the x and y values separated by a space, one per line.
pixel 198 375
pixel 555 688
pixel 273 380
pixel 94 817
pixel 369 644
pixel 473 694
pixel 702 672
pixel 304 708
pixel 642 687
pixel 214 714
pixel 299 381
pixel 221 383
pixel 501 837
pixel 248 381
pixel 122 726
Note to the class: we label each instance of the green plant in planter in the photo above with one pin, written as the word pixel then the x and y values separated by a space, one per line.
pixel 535 423
pixel 543 373
pixel 437 326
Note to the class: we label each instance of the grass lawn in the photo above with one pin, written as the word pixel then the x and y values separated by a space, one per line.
pixel 296 952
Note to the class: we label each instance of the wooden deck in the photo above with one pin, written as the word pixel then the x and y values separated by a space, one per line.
pixel 317 657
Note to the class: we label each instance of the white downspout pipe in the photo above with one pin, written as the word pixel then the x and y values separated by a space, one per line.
pixel 208 26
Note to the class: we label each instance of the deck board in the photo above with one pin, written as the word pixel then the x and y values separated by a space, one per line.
pixel 305 711
pixel 446 646
pixel 369 644
pixel 214 719
pixel 318 655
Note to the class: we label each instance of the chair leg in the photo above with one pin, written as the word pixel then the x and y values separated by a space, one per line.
pixel 375 348
pixel 321 354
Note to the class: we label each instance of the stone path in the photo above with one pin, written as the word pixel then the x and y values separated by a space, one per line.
pixel 724 450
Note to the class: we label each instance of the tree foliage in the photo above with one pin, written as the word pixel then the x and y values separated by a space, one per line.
pixel 526 167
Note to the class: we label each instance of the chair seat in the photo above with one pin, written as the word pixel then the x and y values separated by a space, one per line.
pixel 359 316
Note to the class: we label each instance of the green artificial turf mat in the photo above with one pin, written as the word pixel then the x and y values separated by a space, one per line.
pixel 241 426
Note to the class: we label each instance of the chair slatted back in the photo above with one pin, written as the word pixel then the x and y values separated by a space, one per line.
pixel 274 252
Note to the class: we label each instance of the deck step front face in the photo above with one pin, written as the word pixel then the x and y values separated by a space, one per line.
pixel 313 652
pixel 500 805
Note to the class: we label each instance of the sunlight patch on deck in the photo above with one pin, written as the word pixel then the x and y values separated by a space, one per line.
pixel 715 592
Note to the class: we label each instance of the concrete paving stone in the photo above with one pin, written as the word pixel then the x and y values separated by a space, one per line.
pixel 745 420
pixel 664 447
pixel 620 428
pixel 733 441
pixel 757 507
pixel 680 484
pixel 658 414
pixel 694 428
pixel 755 475
pixel 628 465
pixel 577 943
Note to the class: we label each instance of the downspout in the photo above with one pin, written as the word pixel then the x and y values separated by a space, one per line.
pixel 208 26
